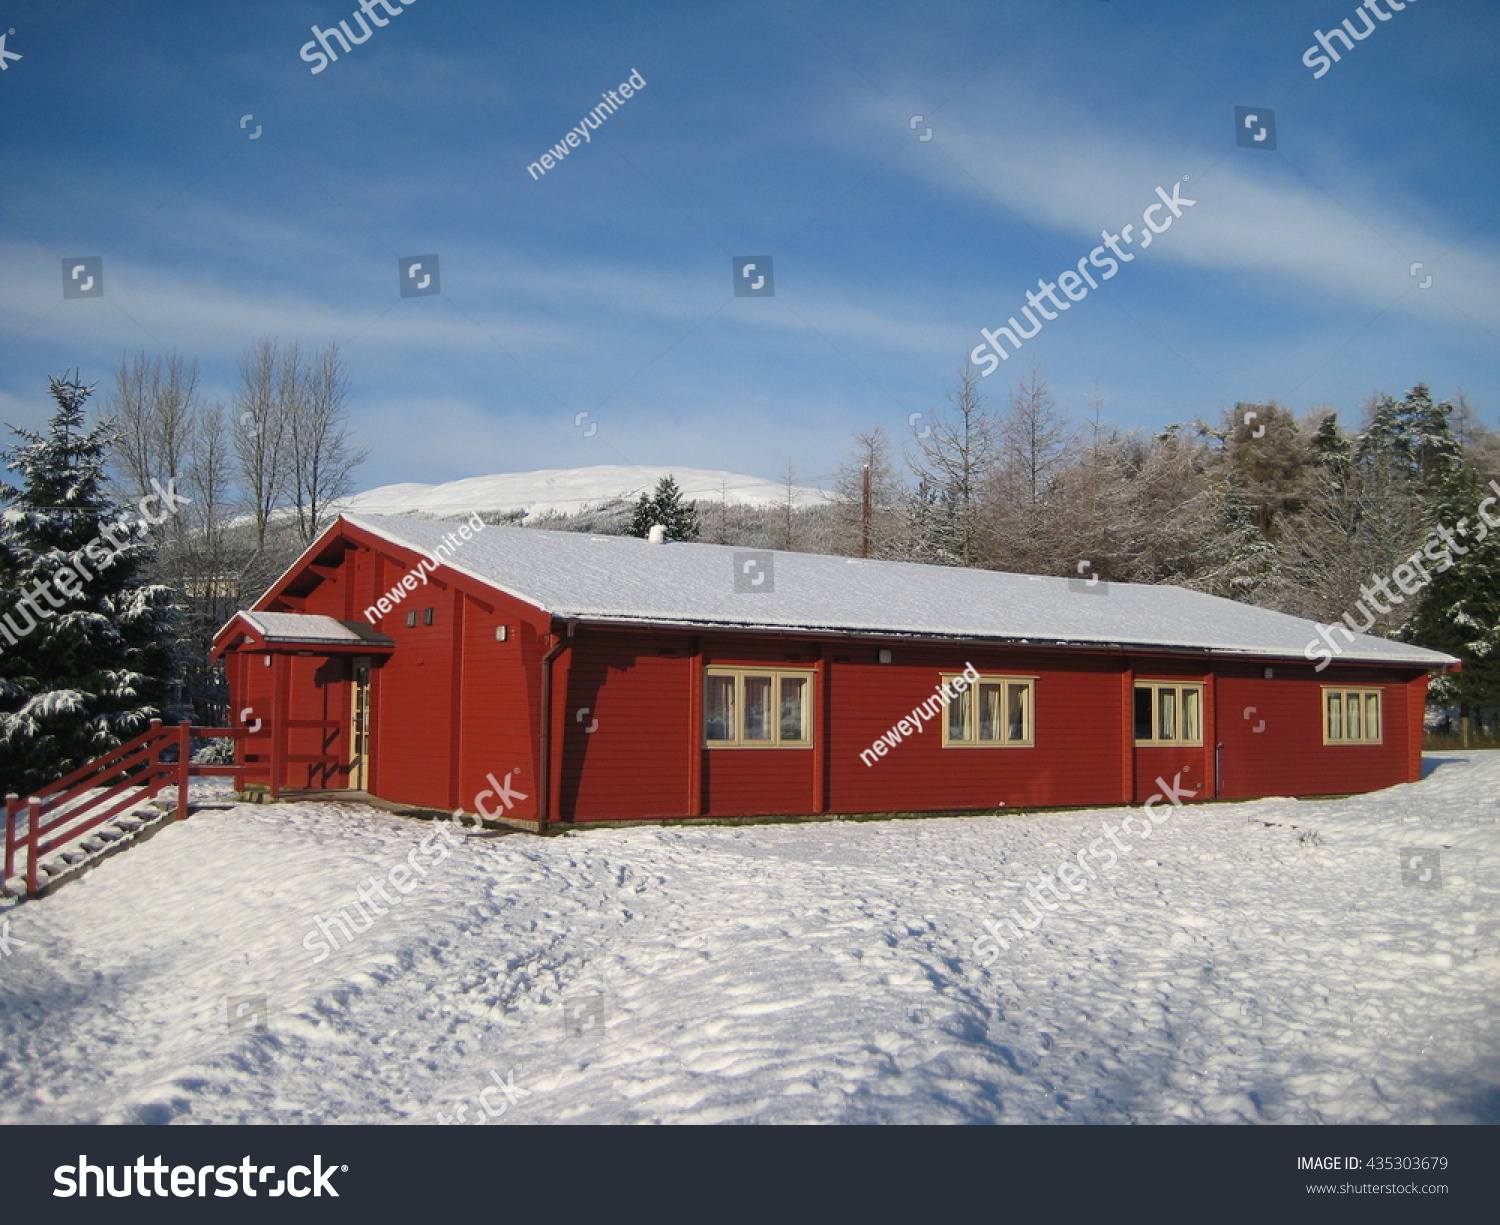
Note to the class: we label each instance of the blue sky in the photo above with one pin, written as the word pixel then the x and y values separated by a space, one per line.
pixel 605 286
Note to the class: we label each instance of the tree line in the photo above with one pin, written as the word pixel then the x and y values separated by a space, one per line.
pixel 1305 515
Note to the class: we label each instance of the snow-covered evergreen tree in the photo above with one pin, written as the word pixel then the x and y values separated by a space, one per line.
pixel 666 507
pixel 1460 611
pixel 1328 448
pixel 1414 433
pixel 87 647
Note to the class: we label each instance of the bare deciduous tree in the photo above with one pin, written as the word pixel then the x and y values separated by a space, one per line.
pixel 1033 444
pixel 952 458
pixel 321 459
pixel 869 501
pixel 268 389
pixel 153 411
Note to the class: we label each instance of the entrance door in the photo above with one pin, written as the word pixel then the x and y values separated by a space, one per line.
pixel 359 725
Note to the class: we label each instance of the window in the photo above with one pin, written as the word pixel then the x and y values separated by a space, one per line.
pixel 411 617
pixel 757 708
pixel 1168 714
pixel 993 712
pixel 427 615
pixel 1351 716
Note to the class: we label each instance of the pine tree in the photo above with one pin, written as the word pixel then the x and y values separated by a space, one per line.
pixel 1415 434
pixel 1329 449
pixel 666 507
pixel 87 647
pixel 1460 611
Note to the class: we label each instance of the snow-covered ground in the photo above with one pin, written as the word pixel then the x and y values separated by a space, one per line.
pixel 569 490
pixel 1276 961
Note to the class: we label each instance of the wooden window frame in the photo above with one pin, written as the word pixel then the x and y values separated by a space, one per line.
pixel 1174 742
pixel 777 675
pixel 1344 692
pixel 970 698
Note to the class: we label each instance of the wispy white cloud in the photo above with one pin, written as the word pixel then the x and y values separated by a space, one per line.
pixel 1343 237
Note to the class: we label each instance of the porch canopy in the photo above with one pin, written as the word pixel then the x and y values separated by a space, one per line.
pixel 280 632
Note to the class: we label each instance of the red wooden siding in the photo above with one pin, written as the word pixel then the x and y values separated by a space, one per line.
pixel 1288 756
pixel 499 702
pixel 636 761
pixel 455 711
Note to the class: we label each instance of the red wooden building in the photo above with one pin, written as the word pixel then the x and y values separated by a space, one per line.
pixel 551 677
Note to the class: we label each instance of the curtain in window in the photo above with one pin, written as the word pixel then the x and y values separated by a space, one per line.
pixel 757 708
pixel 718 708
pixel 793 702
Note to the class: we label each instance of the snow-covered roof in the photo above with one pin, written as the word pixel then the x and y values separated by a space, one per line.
pixel 627 580
pixel 301 627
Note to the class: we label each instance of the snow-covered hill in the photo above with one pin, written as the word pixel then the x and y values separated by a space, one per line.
pixel 1272 961
pixel 569 490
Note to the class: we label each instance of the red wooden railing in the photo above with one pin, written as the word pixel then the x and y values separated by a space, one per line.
pixel 125 778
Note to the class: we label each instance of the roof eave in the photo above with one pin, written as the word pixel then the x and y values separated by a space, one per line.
pixel 688 625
